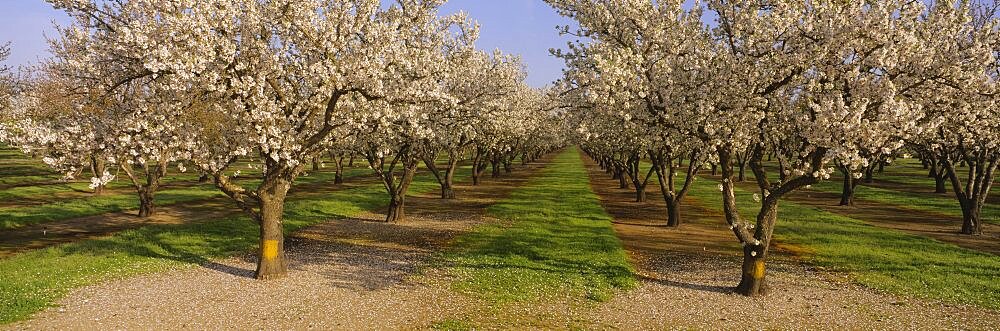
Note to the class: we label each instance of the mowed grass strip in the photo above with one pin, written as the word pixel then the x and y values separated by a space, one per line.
pixel 554 237
pixel 876 257
pixel 944 204
pixel 32 281
pixel 62 209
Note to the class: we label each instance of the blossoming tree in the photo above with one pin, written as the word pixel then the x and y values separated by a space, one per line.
pixel 281 80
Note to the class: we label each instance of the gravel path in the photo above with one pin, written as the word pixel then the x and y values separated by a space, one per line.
pixel 349 274
pixel 683 291
pixel 685 276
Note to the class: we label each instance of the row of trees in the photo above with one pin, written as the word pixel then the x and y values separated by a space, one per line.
pixel 822 86
pixel 146 86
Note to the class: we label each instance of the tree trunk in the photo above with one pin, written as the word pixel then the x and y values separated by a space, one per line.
pixel 752 282
pixel 315 163
pixel 338 162
pixel 869 177
pixel 715 169
pixel 478 166
pixel 447 186
pixel 755 244
pixel 971 220
pixel 673 212
pixel 847 194
pixel 742 175
pixel 939 184
pixel 397 191
pixel 98 168
pixel 937 172
pixel 396 207
pixel 640 193
pixel 145 203
pixel 271 263
pixel 495 168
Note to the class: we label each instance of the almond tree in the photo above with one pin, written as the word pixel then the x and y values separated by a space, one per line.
pixel 480 83
pixel 812 82
pixel 7 89
pixel 641 66
pixel 959 89
pixel 71 130
pixel 281 80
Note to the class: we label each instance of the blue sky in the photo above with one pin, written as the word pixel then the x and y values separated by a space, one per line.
pixel 524 27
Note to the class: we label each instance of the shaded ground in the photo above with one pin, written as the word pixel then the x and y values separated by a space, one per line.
pixel 41 235
pixel 36 236
pixel 686 276
pixel 934 225
pixel 344 274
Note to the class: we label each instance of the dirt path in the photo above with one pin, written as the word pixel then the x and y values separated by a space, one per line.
pixel 344 274
pixel 686 275
pixel 41 235
pixel 934 225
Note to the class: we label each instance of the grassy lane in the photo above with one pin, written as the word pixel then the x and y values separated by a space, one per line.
pixel 877 257
pixel 944 204
pixel 15 217
pixel 31 281
pixel 554 238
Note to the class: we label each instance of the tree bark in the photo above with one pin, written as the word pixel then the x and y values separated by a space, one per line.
pixel 752 282
pixel 673 213
pixel 145 203
pixel 938 173
pixel 742 177
pixel 98 167
pixel 495 167
pixel 478 166
pixel 847 194
pixel 271 255
pixel 396 209
pixel 971 220
pixel 397 202
pixel 447 186
pixel 663 167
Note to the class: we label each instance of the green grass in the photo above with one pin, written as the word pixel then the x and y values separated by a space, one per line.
pixel 880 258
pixel 918 202
pixel 917 197
pixel 31 281
pixel 555 238
pixel 15 217
pixel 61 209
